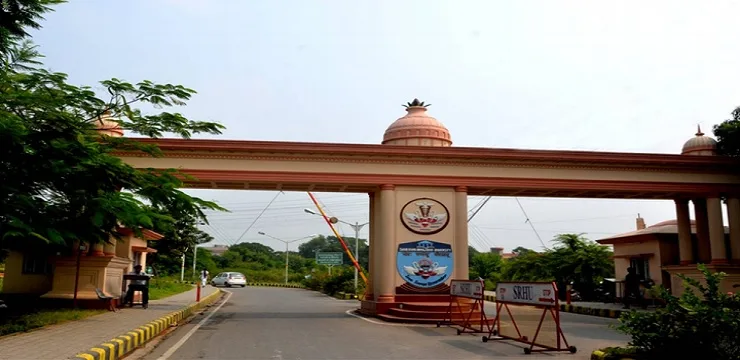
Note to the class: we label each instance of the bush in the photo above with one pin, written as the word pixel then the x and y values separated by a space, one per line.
pixel 341 280
pixel 704 326
pixel 162 287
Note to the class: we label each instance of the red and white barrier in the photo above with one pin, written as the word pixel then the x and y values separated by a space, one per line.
pixel 466 320
pixel 522 300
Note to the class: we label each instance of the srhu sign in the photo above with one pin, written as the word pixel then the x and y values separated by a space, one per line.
pixel 471 289
pixel 329 258
pixel 527 293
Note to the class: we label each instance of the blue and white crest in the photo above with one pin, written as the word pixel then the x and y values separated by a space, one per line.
pixel 424 263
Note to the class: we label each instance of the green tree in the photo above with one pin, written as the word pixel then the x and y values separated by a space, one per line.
pixel 486 266
pixel 579 261
pixel 728 135
pixel 331 244
pixel 59 178
pixel 472 251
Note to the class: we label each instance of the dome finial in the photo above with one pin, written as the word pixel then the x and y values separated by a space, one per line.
pixel 698 130
pixel 416 103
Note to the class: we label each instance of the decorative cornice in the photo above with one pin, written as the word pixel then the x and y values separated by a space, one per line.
pixel 461 189
pixel 692 190
pixel 387 187
pixel 461 156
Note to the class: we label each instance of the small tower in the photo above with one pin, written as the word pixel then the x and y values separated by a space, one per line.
pixel 700 145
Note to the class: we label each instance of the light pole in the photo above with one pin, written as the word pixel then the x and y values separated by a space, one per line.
pixel 356 227
pixel 287 263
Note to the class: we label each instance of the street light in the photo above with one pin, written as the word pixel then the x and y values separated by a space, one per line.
pixel 286 248
pixel 356 227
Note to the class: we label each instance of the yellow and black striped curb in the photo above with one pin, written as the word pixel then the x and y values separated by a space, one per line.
pixel 123 345
pixel 600 355
pixel 607 313
pixel 346 296
pixel 491 298
pixel 296 286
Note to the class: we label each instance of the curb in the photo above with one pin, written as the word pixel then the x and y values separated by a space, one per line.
pixel 346 296
pixel 607 313
pixel 600 355
pixel 490 298
pixel 123 345
pixel 295 286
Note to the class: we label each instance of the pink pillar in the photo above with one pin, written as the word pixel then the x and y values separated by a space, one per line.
pixel 371 247
pixel 385 253
pixel 685 250
pixel 733 217
pixel 716 231
pixel 460 245
pixel 702 231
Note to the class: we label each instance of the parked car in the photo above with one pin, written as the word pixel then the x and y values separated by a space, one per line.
pixel 229 279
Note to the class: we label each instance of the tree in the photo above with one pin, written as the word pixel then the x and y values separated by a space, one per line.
pixel 331 244
pixel 728 135
pixel 16 16
pixel 472 251
pixel 59 178
pixel 486 266
pixel 579 261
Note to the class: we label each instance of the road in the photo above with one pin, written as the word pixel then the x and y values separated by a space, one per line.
pixel 278 323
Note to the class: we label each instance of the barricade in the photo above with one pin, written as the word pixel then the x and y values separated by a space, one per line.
pixel 529 312
pixel 458 314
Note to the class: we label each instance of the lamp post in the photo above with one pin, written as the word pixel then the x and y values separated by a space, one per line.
pixel 287 261
pixel 356 227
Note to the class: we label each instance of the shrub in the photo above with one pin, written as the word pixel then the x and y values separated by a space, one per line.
pixel 704 326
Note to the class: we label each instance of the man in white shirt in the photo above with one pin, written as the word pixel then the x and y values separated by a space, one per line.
pixel 137 285
pixel 204 277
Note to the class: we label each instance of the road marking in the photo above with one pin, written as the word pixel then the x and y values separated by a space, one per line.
pixel 377 322
pixel 192 331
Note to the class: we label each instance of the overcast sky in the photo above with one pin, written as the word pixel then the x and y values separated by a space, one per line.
pixel 631 76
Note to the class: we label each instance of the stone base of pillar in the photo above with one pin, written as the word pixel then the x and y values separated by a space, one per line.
pixel 719 262
pixel 385 298
pixel 685 263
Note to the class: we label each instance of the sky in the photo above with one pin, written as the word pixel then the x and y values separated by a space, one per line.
pixel 629 76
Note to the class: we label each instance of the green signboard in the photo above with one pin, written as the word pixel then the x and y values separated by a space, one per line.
pixel 329 258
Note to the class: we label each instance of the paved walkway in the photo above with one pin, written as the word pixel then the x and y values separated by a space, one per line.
pixel 66 340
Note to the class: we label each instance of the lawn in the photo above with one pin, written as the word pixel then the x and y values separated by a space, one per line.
pixel 41 318
pixel 160 288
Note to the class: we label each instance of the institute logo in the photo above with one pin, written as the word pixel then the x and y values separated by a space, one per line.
pixel 425 263
pixel 425 216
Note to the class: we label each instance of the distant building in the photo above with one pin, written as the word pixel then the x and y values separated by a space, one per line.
pixel 217 250
pixel 500 251
pixel 653 251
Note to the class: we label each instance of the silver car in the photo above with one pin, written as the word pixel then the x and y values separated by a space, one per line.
pixel 229 279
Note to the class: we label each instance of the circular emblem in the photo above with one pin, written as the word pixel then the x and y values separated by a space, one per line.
pixel 424 216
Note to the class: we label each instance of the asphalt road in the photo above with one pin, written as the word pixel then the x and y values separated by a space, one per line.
pixel 277 324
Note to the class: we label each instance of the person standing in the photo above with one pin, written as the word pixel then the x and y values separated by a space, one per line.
pixel 632 287
pixel 138 285
pixel 204 277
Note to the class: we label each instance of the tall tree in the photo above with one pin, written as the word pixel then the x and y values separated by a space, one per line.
pixel 59 178
pixel 728 135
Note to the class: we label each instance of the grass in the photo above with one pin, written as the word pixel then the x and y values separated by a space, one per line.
pixel 41 318
pixel 160 288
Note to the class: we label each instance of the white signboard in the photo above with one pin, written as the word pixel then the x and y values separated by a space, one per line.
pixel 527 293
pixel 466 288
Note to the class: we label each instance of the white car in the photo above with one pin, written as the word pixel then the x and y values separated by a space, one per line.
pixel 229 279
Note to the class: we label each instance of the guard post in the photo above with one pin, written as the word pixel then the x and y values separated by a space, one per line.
pixel 463 314
pixel 522 310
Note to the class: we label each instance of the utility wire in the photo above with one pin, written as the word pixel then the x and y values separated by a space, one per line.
pixel 530 223
pixel 258 217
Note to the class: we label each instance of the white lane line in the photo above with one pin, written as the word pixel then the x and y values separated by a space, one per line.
pixel 192 331
pixel 377 322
